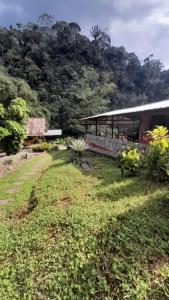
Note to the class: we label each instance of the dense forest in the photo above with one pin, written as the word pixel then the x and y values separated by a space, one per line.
pixel 66 76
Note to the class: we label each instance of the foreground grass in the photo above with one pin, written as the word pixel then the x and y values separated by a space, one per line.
pixel 91 236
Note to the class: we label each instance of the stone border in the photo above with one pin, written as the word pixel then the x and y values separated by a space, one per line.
pixel 111 145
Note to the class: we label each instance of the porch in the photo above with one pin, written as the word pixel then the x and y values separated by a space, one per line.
pixel 108 146
pixel 109 133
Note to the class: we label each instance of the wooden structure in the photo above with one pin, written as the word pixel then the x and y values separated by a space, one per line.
pixel 36 127
pixel 129 124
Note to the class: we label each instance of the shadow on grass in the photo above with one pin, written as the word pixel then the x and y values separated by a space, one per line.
pixel 111 185
pixel 134 249
pixel 59 158
pixel 118 190
pixel 129 255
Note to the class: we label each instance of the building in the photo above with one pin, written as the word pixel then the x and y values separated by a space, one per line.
pixel 123 126
pixel 36 127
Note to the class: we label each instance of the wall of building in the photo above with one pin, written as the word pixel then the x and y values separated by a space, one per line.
pixel 145 124
pixel 113 145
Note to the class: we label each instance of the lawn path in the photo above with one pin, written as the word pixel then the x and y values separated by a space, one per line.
pixel 16 186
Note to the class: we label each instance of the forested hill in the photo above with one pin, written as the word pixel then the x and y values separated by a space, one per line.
pixel 75 76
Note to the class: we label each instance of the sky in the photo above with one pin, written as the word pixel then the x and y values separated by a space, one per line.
pixel 141 26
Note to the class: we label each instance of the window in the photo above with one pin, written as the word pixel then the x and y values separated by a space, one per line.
pixel 159 120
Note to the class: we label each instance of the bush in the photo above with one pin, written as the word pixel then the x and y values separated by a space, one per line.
pixel 13 142
pixel 12 125
pixel 68 141
pixel 157 159
pixel 42 147
pixel 8 161
pixel 59 141
pixel 131 160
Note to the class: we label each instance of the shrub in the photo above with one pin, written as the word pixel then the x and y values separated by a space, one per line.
pixel 58 141
pixel 12 125
pixel 79 146
pixel 44 146
pixel 68 141
pixel 158 154
pixel 131 160
pixel 8 161
pixel 12 143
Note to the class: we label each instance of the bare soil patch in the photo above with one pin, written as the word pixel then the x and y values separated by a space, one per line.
pixel 4 201
pixel 12 191
pixel 21 213
pixel 158 263
pixel 53 233
pixel 64 202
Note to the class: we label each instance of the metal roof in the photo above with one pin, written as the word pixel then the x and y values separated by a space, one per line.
pixel 147 107
pixel 53 132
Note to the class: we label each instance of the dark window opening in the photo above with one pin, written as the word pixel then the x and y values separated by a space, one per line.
pixel 159 120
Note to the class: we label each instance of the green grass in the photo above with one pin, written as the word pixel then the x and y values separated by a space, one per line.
pixel 8 182
pixel 91 236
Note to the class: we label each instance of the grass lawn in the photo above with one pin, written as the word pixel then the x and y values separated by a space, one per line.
pixel 91 236
pixel 17 185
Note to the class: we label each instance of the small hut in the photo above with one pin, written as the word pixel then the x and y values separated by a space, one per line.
pixel 36 128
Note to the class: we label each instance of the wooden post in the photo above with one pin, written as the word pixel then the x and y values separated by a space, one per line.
pixel 118 129
pixel 112 128
pixel 96 127
pixel 86 128
pixel 140 128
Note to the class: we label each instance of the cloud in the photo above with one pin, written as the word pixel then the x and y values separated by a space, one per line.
pixel 143 33
pixel 5 8
pixel 142 26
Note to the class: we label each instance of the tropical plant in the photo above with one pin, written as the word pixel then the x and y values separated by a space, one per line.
pixel 79 146
pixel 131 161
pixel 158 133
pixel 18 110
pixel 158 154
pixel 3 133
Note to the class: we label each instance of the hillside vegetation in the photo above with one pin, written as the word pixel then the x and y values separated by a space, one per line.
pixel 75 76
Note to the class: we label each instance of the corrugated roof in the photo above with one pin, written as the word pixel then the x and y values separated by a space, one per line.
pixel 53 132
pixel 147 107
pixel 36 127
